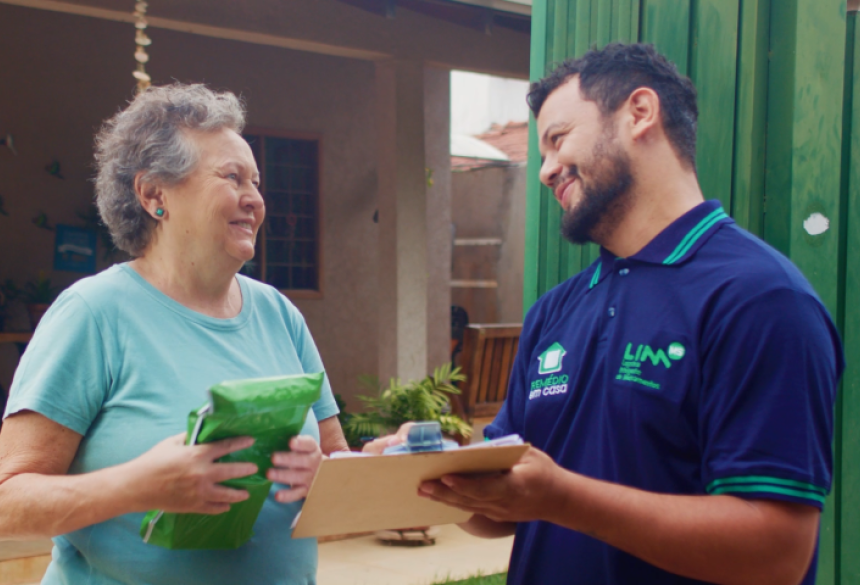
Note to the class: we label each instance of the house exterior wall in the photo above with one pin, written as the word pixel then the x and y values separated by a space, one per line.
pixel 489 202
pixel 512 251
pixel 437 140
pixel 68 66
pixel 62 75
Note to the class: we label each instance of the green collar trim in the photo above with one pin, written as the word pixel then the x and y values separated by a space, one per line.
pixel 595 277
pixel 694 234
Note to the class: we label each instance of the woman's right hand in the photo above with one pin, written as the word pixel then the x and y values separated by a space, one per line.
pixel 175 477
pixel 377 446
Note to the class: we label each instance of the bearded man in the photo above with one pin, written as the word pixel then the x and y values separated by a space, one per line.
pixel 687 436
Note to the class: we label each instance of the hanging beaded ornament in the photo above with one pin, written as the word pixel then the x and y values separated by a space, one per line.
pixel 142 41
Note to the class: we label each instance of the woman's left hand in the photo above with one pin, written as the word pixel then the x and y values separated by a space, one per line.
pixel 296 468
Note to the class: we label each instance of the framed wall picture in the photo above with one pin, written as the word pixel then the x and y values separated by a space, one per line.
pixel 75 249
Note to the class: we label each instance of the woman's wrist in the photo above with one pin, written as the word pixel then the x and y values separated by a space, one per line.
pixel 129 487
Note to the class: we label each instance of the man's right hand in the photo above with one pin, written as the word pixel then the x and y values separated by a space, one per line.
pixel 175 477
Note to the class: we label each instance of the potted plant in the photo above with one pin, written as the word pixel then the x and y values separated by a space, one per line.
pixel 388 408
pixel 416 400
pixel 38 294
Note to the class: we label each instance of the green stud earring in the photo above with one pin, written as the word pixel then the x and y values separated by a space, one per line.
pixel 159 212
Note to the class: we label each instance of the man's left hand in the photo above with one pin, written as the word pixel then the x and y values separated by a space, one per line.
pixel 522 494
pixel 296 468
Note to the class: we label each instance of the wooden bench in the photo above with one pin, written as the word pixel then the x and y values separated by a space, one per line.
pixel 488 357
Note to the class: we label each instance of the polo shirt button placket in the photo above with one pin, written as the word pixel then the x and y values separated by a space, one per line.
pixel 624 271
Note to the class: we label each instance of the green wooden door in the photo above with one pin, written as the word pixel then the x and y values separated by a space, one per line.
pixel 779 141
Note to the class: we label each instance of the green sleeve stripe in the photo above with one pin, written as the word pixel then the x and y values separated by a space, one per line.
pixel 768 489
pixel 694 234
pixel 764 479
pixel 596 276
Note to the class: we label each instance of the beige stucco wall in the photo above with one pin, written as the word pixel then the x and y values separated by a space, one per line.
pixel 63 74
pixel 490 203
pixel 513 249
pixel 437 140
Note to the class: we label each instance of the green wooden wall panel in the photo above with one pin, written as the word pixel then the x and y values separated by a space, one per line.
pixel 772 81
pixel 849 446
pixel 557 51
pixel 666 24
pixel 806 93
pixel 751 116
pixel 635 20
pixel 780 120
pixel 572 19
pixel 604 22
pixel 713 68
pixel 583 27
pixel 563 261
pixel 549 37
pixel 804 136
pixel 533 229
pixel 574 260
pixel 553 245
pixel 840 517
pixel 548 260
pixel 803 167
pixel 561 28
pixel 621 23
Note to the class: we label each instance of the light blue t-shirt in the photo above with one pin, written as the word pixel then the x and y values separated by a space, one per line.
pixel 122 364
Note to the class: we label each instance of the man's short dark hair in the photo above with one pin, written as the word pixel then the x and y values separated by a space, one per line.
pixel 608 76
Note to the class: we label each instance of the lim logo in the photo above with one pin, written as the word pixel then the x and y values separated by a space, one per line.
pixel 674 352
pixel 631 366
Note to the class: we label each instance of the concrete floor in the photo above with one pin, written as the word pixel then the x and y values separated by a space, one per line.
pixel 366 561
pixel 355 561
pixel 19 549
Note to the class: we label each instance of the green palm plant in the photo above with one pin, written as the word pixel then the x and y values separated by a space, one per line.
pixel 417 400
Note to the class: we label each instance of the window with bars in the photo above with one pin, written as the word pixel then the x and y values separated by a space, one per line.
pixel 288 245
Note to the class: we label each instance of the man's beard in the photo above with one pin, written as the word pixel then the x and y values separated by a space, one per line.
pixel 605 198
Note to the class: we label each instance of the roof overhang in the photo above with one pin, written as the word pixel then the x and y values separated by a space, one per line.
pixel 425 30
pixel 514 6
pixel 483 15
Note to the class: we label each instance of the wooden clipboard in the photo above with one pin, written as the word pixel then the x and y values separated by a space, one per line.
pixel 362 494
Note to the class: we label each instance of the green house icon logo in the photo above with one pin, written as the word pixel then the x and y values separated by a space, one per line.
pixel 550 360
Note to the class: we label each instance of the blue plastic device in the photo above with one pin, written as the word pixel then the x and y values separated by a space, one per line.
pixel 423 437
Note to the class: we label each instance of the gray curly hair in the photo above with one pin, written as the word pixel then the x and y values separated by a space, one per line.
pixel 149 136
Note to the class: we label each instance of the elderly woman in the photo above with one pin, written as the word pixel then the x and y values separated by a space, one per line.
pixel 122 357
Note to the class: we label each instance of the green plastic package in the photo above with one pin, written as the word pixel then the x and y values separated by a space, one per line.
pixel 273 411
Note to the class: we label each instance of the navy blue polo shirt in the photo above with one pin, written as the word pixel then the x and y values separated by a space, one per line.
pixel 704 364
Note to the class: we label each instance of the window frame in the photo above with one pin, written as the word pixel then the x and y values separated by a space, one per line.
pixel 260 246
